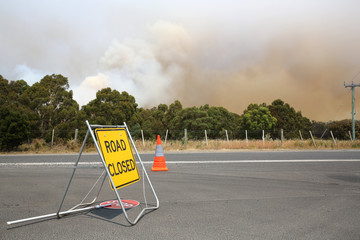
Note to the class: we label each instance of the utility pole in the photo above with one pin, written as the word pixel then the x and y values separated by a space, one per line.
pixel 352 85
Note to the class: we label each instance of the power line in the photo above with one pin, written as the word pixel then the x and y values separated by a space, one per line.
pixel 355 76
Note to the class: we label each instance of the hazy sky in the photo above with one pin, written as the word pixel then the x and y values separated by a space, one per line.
pixel 224 53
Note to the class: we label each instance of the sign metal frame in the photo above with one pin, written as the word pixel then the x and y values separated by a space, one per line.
pixel 80 207
pixel 90 130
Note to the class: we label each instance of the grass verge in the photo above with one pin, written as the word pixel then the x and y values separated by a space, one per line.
pixel 40 146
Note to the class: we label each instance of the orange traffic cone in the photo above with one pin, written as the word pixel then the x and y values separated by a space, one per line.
pixel 159 160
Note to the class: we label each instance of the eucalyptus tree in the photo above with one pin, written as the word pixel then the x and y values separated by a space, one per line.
pixel 111 107
pixel 14 120
pixel 288 119
pixel 257 118
pixel 53 106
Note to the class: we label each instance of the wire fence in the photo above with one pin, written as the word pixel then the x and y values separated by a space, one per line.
pixel 55 136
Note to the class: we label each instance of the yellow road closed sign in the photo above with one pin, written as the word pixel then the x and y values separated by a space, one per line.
pixel 118 156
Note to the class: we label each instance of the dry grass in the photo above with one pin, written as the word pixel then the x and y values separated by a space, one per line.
pixel 40 146
pixel 259 145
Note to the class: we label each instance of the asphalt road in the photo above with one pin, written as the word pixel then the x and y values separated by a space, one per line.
pixel 230 195
pixel 196 156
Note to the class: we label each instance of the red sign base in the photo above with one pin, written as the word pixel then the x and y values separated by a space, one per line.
pixel 116 205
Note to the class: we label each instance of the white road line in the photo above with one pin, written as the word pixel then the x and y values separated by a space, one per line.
pixel 267 161
pixel 180 162
pixel 51 164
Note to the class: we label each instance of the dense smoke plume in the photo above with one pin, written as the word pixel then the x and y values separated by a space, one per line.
pixel 151 71
pixel 306 70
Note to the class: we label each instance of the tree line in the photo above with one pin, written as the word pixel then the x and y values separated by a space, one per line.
pixel 29 112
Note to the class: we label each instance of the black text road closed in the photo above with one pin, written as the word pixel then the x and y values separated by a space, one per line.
pixel 122 167
pixel 119 159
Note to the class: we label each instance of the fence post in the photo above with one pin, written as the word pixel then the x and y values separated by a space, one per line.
pixel 312 138
pixel 166 135
pixel 206 140
pixel 247 141
pixel 142 136
pixel 282 136
pixel 185 137
pixel 350 136
pixel 76 134
pixel 332 137
pixel 301 136
pixel 52 138
pixel 227 136
pixel 263 137
pixel 323 134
